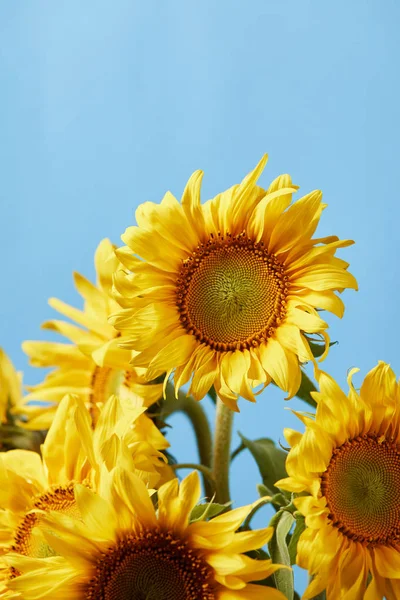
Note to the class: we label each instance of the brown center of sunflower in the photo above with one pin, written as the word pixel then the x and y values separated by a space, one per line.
pixel 231 293
pixel 154 566
pixel 361 486
pixel 31 543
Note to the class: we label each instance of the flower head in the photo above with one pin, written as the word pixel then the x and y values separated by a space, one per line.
pixel 348 464
pixel 124 548
pixel 225 292
pixel 93 366
pixel 74 452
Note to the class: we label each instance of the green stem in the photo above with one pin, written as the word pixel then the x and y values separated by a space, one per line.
pixel 222 450
pixel 198 419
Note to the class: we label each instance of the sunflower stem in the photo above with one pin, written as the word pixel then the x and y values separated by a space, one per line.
pixel 198 419
pixel 222 451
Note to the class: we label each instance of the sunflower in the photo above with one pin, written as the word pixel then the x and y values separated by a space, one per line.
pixel 72 453
pixel 93 366
pixel 10 387
pixel 348 464
pixel 226 290
pixel 124 548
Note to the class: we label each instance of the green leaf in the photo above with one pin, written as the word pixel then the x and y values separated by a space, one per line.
pixel 298 530
pixel 202 512
pixel 279 552
pixel 270 460
pixel 243 446
pixel 305 388
pixel 318 348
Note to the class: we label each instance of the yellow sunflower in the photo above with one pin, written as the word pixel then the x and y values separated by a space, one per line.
pixel 93 366
pixel 226 290
pixel 124 548
pixel 10 386
pixel 348 463
pixel 73 452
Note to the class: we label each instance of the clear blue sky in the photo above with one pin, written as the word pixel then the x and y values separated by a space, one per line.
pixel 104 105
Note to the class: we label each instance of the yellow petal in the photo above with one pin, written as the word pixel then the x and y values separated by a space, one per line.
pixel 379 385
pixel 252 592
pixel 191 204
pixel 135 496
pixel 245 541
pixel 96 512
pixel 387 561
pixel 274 361
pixel 290 337
pixel 204 376
pixel 172 355
pixel 326 277
pixel 295 223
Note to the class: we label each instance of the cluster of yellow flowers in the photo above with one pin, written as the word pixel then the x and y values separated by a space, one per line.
pixel 220 298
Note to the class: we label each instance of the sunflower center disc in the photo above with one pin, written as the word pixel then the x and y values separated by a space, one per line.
pixel 231 293
pixel 27 539
pixel 361 486
pixel 154 566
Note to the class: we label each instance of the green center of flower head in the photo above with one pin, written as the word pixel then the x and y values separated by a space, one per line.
pixel 361 486
pixel 153 566
pixel 231 293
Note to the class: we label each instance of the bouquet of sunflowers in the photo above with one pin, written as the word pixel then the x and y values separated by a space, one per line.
pixel 221 298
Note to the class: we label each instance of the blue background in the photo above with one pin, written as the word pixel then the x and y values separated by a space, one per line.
pixel 104 105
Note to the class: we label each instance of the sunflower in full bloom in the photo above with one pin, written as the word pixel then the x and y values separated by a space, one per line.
pixel 347 463
pixel 10 387
pixel 93 365
pixel 125 548
pixel 73 453
pixel 226 290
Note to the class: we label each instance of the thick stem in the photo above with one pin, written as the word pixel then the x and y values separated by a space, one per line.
pixel 222 450
pixel 198 419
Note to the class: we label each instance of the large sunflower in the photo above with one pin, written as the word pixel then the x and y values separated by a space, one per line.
pixel 93 366
pixel 73 452
pixel 124 548
pixel 348 463
pixel 226 290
